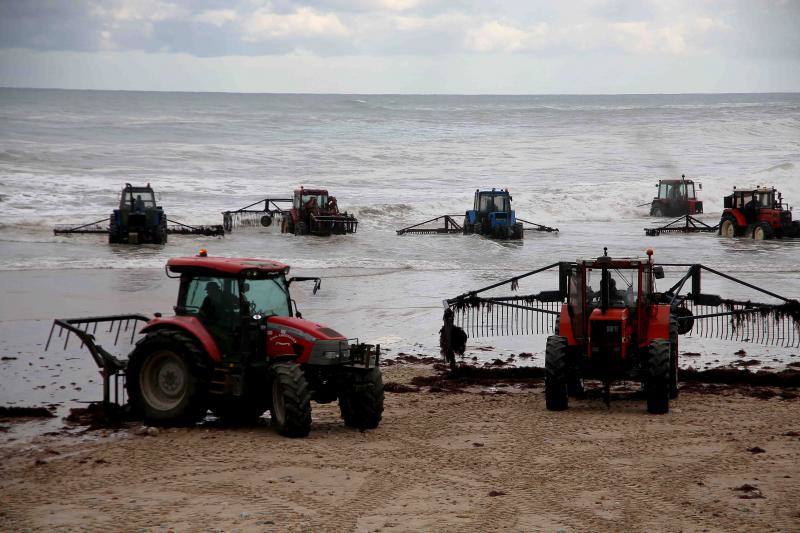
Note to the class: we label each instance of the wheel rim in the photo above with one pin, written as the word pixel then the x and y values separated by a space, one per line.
pixel 758 234
pixel 278 407
pixel 164 380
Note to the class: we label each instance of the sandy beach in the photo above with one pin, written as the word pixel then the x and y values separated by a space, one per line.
pixel 477 459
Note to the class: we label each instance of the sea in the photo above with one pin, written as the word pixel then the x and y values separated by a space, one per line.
pixel 585 164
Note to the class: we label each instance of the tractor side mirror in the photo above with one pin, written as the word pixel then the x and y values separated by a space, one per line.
pixel 700 186
pixel 658 272
pixel 317 282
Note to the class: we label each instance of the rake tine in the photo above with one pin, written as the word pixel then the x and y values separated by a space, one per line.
pixel 85 329
pixel 94 331
pixel 66 339
pixel 119 326
pixel 49 337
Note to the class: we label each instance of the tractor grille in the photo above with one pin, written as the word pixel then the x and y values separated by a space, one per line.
pixel 606 338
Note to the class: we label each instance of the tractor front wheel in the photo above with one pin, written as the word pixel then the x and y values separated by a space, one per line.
pixel 361 404
pixel 167 379
pixel 300 228
pixel 555 381
pixel 291 400
pixel 657 379
pixel 762 232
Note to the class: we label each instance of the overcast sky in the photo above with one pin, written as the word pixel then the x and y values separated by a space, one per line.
pixel 403 46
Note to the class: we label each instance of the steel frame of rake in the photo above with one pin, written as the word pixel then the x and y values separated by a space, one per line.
pixel 744 321
pixel 451 226
pixel 252 217
pixel 690 225
pixel 111 367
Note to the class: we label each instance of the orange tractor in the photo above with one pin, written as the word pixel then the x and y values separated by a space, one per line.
pixel 238 346
pixel 758 213
pixel 608 322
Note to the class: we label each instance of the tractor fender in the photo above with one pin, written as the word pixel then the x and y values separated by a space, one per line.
pixel 737 214
pixel 191 325
pixel 658 324
pixel 565 326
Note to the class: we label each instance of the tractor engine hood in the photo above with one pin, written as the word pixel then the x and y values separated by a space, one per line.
pixel 310 342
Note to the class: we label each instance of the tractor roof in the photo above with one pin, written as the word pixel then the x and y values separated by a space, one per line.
pixel 753 189
pixel 225 265
pixel 502 192
pixel 303 190
pixel 673 181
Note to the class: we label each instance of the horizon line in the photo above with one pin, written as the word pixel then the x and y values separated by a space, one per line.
pixel 286 93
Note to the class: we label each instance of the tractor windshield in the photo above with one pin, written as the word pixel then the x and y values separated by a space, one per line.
pixel 139 199
pixel 267 297
pixel 322 199
pixel 494 203
pixel 765 200
pixel 622 287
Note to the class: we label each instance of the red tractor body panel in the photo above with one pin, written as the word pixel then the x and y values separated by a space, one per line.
pixel 295 337
pixel 225 265
pixel 565 326
pixel 191 325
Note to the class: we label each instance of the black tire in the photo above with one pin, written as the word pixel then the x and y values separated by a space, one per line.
pixel 517 232
pixel 290 408
pixel 112 231
pixel 167 378
pixel 673 359
pixel 762 232
pixel 796 228
pixel 728 226
pixel 362 405
pixel 555 381
pixel 300 228
pixel 657 376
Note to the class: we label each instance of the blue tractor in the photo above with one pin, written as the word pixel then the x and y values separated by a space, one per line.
pixel 492 215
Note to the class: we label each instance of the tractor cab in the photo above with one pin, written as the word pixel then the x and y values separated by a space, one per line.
pixel 310 199
pixel 676 198
pixel 492 215
pixel 137 199
pixel 607 303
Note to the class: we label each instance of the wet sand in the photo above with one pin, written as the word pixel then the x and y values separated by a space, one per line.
pixel 486 458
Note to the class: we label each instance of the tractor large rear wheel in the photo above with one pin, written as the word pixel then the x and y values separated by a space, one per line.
pixel 555 380
pixel 657 377
pixel 361 404
pixel 291 400
pixel 301 228
pixel 167 379
pixel 727 227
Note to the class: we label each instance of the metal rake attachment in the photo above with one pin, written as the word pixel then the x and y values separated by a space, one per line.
pixel 508 315
pixel 450 226
pixel 254 217
pixel 775 325
pixel 535 226
pixel 690 225
pixel 110 366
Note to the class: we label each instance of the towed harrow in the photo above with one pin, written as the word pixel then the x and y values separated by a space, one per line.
pixel 247 216
pixel 690 225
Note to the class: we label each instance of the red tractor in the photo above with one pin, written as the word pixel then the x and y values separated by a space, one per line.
pixel 610 328
pixel 314 212
pixel 675 198
pixel 758 213
pixel 237 345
